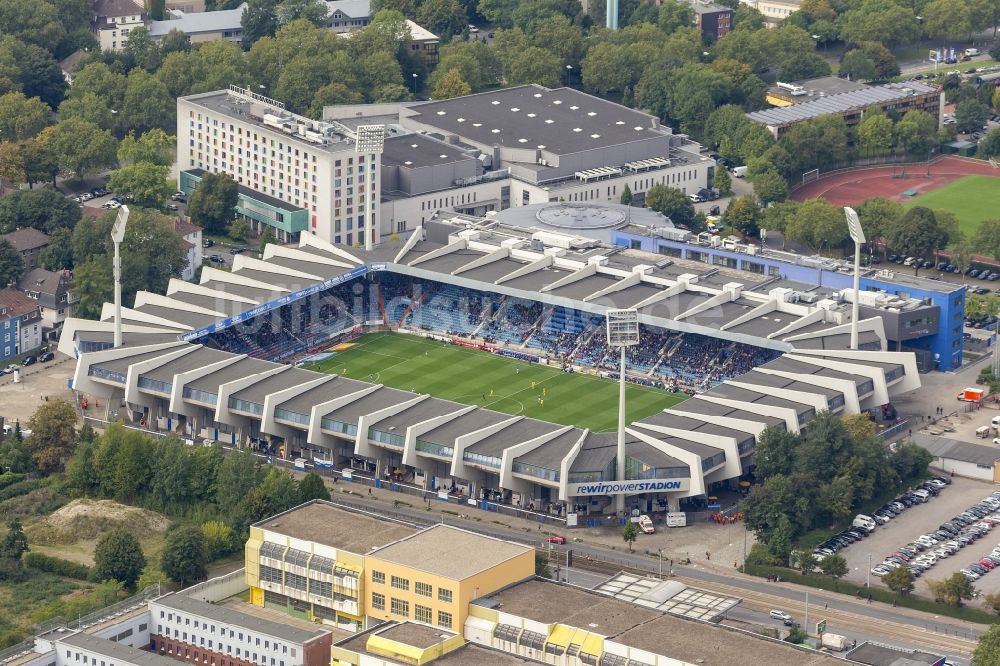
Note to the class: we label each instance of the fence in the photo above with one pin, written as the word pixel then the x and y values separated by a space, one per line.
pixel 220 587
pixel 860 163
pixel 134 602
pixel 894 430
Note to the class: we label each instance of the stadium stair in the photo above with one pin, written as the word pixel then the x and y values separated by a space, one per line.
pixel 381 303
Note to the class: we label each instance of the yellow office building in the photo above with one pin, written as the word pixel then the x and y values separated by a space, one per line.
pixel 432 576
pixel 310 561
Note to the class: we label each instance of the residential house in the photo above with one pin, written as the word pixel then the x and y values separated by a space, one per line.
pixel 191 241
pixel 51 290
pixel 29 242
pixel 712 19
pixel 114 19
pixel 20 324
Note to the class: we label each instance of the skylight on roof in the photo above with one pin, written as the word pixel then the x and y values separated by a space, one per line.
pixel 595 136
pixel 637 128
pixel 591 113
pixel 443 156
pixel 477 124
pixel 514 109
pixel 541 146
pixel 408 163
pixel 577 129
pixel 441 113
pixel 549 121
pixel 522 141
pixel 557 101
pixel 460 120
pixel 413 145
pixel 495 102
pixel 538 94
pixel 532 115
pixel 495 131
pixel 574 107
pixel 620 122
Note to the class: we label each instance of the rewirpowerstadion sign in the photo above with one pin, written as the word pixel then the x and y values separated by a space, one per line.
pixel 624 487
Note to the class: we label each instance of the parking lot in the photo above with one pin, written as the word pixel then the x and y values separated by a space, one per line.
pixel 921 519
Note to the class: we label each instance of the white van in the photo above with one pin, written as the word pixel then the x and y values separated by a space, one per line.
pixel 646 524
pixel 866 523
pixel 972 53
pixel 740 171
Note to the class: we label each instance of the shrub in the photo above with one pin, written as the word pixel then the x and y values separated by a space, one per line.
pixel 10 478
pixel 20 488
pixel 57 566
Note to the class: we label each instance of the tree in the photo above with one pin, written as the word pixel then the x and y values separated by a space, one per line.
pixel 260 19
pixel 916 234
pixel 626 198
pixel 147 103
pixel 947 19
pixel 238 475
pixel 532 65
pixel 743 215
pixel 92 282
pixel 989 145
pixel 874 133
pixel 174 41
pixel 53 435
pixel 803 66
pixel 266 238
pixel 796 635
pixel 213 204
pixel 899 580
pixel 314 11
pixel 145 182
pixel 119 556
pixel 21 117
pixel 184 556
pixel 13 545
pixel 442 17
pixel 11 264
pixel 722 182
pixel 81 148
pixel 952 590
pixel 834 566
pixel 629 534
pixel 671 202
pixel 498 12
pixel 769 186
pixel 775 452
pixel 916 133
pixel 818 225
pixel 970 115
pixel 987 652
pixel 881 21
pixel 877 214
pixel 312 487
pixel 220 540
pixel 857 66
pixel 58 255
pixel 154 146
pixel 451 85
pixel 43 209
pixel 988 237
pixel 239 230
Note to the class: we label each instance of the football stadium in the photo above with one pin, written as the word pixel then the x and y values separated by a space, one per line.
pixel 471 360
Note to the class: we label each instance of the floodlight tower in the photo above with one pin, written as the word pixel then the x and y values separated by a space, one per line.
pixel 858 236
pixel 623 331
pixel 370 141
pixel 117 236
pixel 612 15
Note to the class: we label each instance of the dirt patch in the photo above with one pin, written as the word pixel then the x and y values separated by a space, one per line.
pixel 86 519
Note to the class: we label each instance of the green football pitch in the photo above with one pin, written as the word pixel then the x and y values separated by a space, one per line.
pixel 476 377
pixel 971 199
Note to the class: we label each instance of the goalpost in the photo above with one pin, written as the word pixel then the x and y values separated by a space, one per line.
pixel 810 176
pixel 993 163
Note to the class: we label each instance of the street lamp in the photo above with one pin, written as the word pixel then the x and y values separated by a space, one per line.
pixel 569 75
pixel 858 236
pixel 623 331
pixel 414 84
pixel 117 236
pixel 660 551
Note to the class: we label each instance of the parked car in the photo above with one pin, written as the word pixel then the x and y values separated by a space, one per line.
pixel 237 250
pixel 46 357
pixel 557 539
pixel 28 360
pixel 780 615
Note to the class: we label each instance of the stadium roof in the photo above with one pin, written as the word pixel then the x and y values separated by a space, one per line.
pixel 235 393
pixel 839 103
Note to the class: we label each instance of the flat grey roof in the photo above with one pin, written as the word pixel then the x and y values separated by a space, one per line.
pixel 731 392
pixel 535 280
pixel 185 317
pixel 522 112
pixel 254 293
pixel 129 339
pixel 786 364
pixel 115 650
pixel 123 364
pixel 857 99
pixel 493 271
pixel 322 270
pixel 943 447
pixel 691 423
pixel 446 263
pixel 380 399
pixel 579 289
pixel 209 302
pixel 550 454
pixel 764 325
pixel 599 449
pixel 450 552
pixel 418 413
pixel 709 409
pixel 243 368
pixel 674 305
pixel 516 433
pixel 335 388
pixel 338 528
pixel 285 379
pixel 198 358
pixel 417 635
pixel 775 381
pixel 412 151
pixel 477 419
pixel 235 618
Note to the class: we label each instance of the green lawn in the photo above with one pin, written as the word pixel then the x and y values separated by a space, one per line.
pixel 470 376
pixel 972 199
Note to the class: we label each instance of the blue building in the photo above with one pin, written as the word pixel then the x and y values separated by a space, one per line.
pixel 20 324
pixel 934 332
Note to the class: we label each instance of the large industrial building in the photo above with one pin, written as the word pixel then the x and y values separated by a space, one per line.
pixel 473 154
pixel 760 350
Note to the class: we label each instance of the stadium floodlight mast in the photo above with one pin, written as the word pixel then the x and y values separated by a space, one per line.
pixel 623 331
pixel 117 236
pixel 858 236
pixel 369 141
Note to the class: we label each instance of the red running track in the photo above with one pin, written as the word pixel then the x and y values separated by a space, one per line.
pixel 851 187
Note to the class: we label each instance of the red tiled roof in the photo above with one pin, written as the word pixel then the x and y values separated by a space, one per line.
pixel 15 304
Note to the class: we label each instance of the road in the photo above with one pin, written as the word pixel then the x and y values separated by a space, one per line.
pixel 853 617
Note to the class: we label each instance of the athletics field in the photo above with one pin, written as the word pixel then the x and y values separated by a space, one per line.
pixel 476 377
